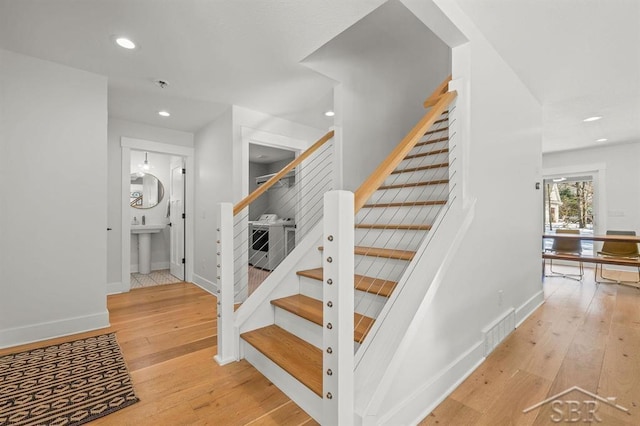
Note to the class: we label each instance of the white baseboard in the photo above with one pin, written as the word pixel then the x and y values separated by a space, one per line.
pixel 118 287
pixel 205 284
pixel 49 330
pixel 529 307
pixel 412 410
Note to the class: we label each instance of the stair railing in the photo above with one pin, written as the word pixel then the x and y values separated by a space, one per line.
pixel 426 154
pixel 247 252
pixel 420 177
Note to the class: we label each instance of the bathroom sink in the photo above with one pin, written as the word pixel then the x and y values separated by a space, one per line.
pixel 144 244
pixel 146 229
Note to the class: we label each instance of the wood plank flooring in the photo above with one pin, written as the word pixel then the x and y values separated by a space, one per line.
pixel 584 335
pixel 168 339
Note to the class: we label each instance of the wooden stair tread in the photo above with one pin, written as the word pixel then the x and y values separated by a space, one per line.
pixel 420 168
pixel 392 226
pixel 300 359
pixel 387 253
pixel 361 282
pixel 311 310
pixel 407 204
pixel 408 185
pixel 382 252
pixel 426 154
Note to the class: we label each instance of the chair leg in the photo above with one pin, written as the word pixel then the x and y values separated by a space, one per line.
pixel 575 277
pixel 607 280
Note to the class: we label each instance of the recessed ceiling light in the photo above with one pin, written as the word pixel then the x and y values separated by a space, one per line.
pixel 329 113
pixel 594 118
pixel 164 113
pixel 602 140
pixel 125 42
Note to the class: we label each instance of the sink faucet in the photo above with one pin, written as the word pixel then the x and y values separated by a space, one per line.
pixel 143 220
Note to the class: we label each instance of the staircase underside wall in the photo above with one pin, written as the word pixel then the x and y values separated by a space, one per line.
pixel 499 253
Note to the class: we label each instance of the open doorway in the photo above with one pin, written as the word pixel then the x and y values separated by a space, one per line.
pixel 272 216
pixel 569 204
pixel 163 244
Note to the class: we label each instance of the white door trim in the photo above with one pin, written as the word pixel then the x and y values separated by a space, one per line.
pixel 162 148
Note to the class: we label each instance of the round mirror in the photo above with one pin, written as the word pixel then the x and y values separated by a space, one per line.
pixel 146 190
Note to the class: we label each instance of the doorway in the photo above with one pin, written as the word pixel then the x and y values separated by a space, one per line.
pixel 159 250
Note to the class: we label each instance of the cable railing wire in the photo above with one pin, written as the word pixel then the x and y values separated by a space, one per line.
pixel 420 166
pixel 311 179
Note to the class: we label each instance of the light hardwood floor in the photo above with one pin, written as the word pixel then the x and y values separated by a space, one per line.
pixel 584 335
pixel 168 338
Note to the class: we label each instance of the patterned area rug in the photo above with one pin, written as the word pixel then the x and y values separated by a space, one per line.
pixel 68 384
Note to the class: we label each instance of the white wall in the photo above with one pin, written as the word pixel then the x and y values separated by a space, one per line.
pixel 387 64
pixel 214 175
pixel 117 129
pixel 501 249
pixel 260 205
pixel 53 189
pixel 222 170
pixel 620 194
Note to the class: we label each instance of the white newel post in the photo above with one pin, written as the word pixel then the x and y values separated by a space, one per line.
pixel 224 264
pixel 338 302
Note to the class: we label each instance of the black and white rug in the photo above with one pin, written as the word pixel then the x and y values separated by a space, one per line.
pixel 68 384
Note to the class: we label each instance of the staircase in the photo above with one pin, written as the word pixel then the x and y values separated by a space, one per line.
pixel 389 228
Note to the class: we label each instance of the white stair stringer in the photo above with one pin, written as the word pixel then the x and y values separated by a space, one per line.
pixel 299 393
pixel 387 342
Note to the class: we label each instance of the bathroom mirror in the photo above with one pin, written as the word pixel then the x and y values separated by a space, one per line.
pixel 146 191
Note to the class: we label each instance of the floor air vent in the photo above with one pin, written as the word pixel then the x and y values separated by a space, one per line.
pixel 498 330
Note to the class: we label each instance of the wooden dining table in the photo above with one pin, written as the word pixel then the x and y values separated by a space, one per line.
pixel 617 238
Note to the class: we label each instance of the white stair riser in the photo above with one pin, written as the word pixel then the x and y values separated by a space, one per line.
pixel 408 215
pixel 427 160
pixel 366 304
pixel 299 393
pixel 386 269
pixel 435 135
pixel 306 330
pixel 399 239
pixel 299 327
pixel 418 176
pixel 419 149
pixel 407 194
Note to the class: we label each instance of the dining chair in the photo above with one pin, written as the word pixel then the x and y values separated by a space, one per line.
pixel 566 246
pixel 618 249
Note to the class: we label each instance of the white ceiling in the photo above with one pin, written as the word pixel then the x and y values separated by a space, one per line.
pixel 266 154
pixel 578 58
pixel 214 53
